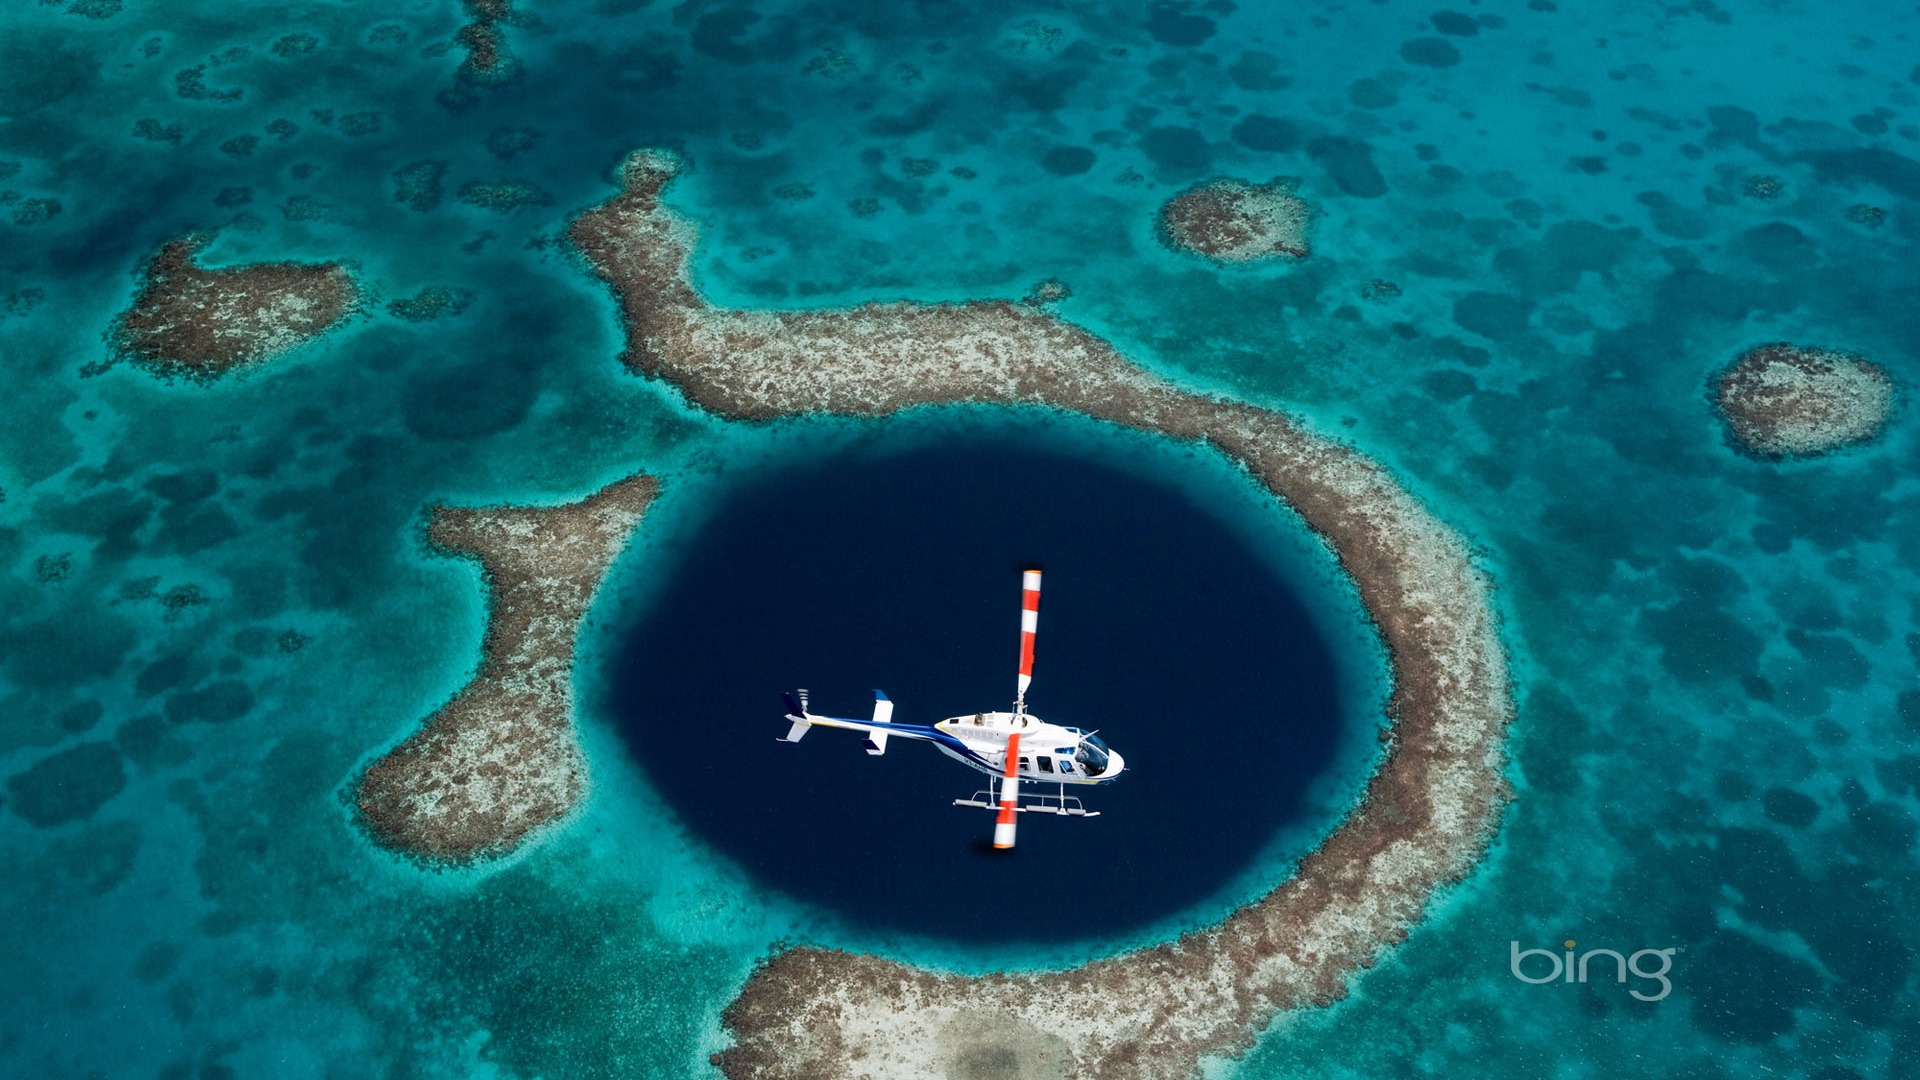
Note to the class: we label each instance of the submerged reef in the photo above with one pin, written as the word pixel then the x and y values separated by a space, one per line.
pixel 503 197
pixel 487 58
pixel 432 302
pixel 1232 221
pixel 1050 291
pixel 501 759
pixel 1426 814
pixel 203 323
pixel 1782 400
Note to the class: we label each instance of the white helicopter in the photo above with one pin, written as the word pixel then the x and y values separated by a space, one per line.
pixel 993 742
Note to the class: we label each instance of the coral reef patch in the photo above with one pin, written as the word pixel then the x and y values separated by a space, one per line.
pixel 501 759
pixel 487 58
pixel 1232 221
pixel 432 302
pixel 200 324
pixel 1780 400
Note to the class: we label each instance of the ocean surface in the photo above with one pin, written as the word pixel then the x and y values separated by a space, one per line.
pixel 1540 228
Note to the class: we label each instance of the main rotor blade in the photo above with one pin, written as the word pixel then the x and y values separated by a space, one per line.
pixel 1009 795
pixel 1029 623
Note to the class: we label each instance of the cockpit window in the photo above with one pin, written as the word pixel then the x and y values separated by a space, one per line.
pixel 1092 755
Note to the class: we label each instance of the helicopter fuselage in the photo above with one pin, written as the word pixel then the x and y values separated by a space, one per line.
pixel 1010 747
pixel 1049 752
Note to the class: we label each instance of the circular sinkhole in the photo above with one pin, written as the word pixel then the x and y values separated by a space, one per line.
pixel 894 563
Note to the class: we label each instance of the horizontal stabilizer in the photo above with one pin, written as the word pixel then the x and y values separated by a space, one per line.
pixel 882 714
pixel 796 712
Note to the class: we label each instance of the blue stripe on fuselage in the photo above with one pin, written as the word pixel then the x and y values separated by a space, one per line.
pixel 914 731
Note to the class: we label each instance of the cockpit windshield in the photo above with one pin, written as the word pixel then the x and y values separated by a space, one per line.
pixel 1092 755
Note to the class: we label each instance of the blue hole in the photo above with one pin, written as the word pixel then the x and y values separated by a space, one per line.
pixel 898 568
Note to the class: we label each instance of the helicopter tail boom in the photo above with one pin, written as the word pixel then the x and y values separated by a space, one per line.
pixel 877 729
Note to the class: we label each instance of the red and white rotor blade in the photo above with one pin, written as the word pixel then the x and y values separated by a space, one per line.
pixel 1009 795
pixel 1029 623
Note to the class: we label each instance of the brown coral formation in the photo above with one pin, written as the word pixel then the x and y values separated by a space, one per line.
pixel 1050 291
pixel 1426 813
pixel 203 323
pixel 1782 400
pixel 501 759
pixel 487 58
pixel 1232 221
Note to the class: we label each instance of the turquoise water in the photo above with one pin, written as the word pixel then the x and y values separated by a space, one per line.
pixel 1715 657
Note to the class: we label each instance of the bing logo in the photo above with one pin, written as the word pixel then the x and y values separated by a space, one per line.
pixel 1566 968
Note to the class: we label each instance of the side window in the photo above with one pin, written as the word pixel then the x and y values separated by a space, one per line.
pixel 1026 765
pixel 1066 765
pixel 1046 764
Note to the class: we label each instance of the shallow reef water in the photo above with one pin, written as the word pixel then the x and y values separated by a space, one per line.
pixel 1539 228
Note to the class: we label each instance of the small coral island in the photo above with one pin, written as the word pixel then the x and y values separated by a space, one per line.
pixel 1233 221
pixel 198 323
pixel 501 758
pixel 1782 400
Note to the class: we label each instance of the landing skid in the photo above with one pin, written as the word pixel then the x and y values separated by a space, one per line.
pixel 1041 802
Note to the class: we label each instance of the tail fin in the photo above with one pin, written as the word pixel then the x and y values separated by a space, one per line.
pixel 797 713
pixel 882 714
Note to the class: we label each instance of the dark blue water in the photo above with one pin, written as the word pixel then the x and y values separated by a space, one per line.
pixel 1159 626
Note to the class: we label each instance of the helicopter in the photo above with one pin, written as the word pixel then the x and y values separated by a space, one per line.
pixel 1010 747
